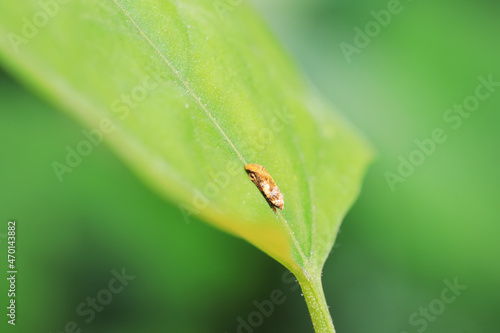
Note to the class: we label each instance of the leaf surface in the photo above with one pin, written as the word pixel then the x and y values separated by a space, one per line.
pixel 187 93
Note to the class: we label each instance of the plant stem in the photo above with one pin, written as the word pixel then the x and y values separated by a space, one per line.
pixel 315 299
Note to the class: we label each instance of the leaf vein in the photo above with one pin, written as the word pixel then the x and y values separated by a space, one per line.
pixel 196 98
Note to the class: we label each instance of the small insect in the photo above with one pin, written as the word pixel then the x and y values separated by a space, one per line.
pixel 265 183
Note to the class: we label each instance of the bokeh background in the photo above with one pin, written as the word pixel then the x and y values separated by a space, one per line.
pixel 396 248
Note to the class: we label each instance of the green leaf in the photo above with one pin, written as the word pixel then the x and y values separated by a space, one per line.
pixel 187 93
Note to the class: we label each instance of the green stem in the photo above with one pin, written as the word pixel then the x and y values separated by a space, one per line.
pixel 316 302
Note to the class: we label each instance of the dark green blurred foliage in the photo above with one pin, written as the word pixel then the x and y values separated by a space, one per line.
pixel 396 247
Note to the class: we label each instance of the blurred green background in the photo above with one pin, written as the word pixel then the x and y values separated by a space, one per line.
pixel 396 248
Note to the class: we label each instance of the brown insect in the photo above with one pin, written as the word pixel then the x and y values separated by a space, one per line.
pixel 265 183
